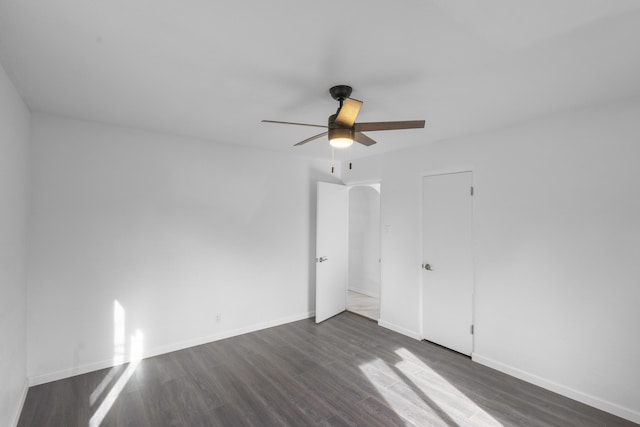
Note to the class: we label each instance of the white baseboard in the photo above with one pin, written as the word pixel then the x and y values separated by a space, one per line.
pixel 364 292
pixel 71 372
pixel 580 396
pixel 228 334
pixel 95 366
pixel 399 329
pixel 23 398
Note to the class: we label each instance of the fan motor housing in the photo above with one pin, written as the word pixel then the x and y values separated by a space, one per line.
pixel 337 131
pixel 340 92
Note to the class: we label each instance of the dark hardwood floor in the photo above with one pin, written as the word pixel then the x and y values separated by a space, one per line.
pixel 346 371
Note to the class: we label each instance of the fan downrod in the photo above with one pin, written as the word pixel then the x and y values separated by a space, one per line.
pixel 340 92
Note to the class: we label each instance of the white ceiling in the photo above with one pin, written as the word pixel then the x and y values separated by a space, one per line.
pixel 214 69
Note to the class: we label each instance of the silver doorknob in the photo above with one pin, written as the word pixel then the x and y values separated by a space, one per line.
pixel 321 259
pixel 427 267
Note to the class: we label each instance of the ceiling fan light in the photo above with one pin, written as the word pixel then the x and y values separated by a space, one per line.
pixel 341 142
pixel 340 137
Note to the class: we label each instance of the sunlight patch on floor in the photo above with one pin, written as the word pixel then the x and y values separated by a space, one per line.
pixel 97 392
pixel 119 346
pixel 433 400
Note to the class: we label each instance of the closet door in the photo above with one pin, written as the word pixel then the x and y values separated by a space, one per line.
pixel 447 269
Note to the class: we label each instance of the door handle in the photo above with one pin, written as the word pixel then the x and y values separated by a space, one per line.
pixel 321 259
pixel 427 267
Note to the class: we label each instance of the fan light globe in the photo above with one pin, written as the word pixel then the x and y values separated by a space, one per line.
pixel 341 142
pixel 340 137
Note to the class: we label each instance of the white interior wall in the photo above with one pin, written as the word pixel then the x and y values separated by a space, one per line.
pixel 14 143
pixel 176 230
pixel 557 226
pixel 364 240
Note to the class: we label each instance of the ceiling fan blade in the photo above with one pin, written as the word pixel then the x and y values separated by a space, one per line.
pixel 320 135
pixel 363 139
pixel 374 126
pixel 348 112
pixel 293 123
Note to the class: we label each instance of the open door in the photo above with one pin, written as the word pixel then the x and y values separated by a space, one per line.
pixel 331 250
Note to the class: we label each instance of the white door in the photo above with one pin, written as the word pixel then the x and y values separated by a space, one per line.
pixel 331 250
pixel 447 269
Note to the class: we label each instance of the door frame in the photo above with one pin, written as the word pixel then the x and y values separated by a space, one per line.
pixel 473 247
pixel 362 183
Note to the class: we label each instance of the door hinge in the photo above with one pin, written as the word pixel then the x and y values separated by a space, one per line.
pixel 472 190
pixel 471 329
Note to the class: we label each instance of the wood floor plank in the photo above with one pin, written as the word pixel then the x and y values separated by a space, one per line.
pixel 346 371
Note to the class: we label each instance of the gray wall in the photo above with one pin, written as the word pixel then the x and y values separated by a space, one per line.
pixel 14 142
pixel 556 232
pixel 175 230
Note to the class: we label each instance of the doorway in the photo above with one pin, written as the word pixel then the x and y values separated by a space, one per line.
pixel 447 269
pixel 364 251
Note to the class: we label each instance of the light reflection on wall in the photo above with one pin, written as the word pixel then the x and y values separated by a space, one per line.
pixel 119 350
pixel 118 333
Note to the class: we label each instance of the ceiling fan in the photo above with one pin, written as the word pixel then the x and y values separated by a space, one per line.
pixel 342 128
